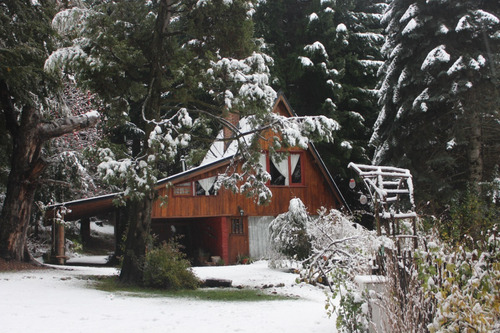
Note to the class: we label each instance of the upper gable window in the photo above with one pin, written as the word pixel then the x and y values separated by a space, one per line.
pixel 183 189
pixel 205 186
pixel 287 171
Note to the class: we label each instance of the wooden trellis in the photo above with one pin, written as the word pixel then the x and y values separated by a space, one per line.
pixel 391 190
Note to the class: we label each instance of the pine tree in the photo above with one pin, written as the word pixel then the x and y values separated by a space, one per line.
pixel 330 54
pixel 439 93
pixel 344 50
pixel 32 115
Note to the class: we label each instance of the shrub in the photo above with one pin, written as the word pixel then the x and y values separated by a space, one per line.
pixel 166 267
pixel 288 232
pixel 464 283
pixel 469 217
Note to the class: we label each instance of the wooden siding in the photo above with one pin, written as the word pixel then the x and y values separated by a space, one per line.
pixel 315 193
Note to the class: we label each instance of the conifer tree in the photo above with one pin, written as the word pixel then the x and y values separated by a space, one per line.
pixel 330 53
pixel 439 93
pixel 165 70
pixel 327 54
pixel 31 113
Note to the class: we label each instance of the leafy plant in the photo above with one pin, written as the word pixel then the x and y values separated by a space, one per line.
pixel 469 217
pixel 167 267
pixel 352 309
pixel 464 284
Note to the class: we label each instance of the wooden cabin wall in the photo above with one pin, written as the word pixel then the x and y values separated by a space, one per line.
pixel 315 193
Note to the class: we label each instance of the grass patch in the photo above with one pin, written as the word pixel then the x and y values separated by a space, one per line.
pixel 111 284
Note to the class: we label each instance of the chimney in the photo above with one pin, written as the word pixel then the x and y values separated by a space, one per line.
pixel 183 163
pixel 233 118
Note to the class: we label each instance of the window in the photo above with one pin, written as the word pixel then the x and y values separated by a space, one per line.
pixel 205 186
pixel 183 189
pixel 286 172
pixel 277 177
pixel 237 226
pixel 296 169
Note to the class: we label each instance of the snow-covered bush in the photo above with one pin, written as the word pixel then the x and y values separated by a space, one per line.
pixel 341 250
pixel 166 267
pixel 288 232
pixel 337 250
pixel 464 283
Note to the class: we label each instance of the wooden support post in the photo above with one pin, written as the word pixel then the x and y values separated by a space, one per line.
pixel 53 248
pixel 415 239
pixel 377 217
pixel 85 230
pixel 61 250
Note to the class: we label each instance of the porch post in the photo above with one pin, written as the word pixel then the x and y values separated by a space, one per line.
pixel 85 230
pixel 225 238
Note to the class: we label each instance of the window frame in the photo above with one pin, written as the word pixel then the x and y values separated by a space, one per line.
pixel 288 157
pixel 237 225
pixel 184 186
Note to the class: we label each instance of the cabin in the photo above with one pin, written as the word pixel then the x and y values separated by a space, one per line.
pixel 221 225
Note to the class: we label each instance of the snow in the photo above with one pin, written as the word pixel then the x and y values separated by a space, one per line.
pixel 93 260
pixel 411 12
pixel 346 145
pixel 306 62
pixel 61 300
pixel 313 17
pixel 463 24
pixel 436 55
pixel 410 27
pixel 341 28
pixel 316 47
pixel 485 18
pixel 370 279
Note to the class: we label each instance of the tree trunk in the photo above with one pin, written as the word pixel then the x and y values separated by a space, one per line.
pixel 26 166
pixel 28 135
pixel 138 236
pixel 139 225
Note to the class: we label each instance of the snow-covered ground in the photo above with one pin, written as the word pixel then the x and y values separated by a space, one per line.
pixel 60 300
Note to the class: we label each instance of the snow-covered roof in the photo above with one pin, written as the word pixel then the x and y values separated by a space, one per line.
pixel 201 168
pixel 218 148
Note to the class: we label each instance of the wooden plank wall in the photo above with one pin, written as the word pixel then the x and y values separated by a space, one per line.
pixel 315 193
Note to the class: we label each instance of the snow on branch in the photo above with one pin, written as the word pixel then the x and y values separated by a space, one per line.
pixel 239 82
pixel 299 131
pixel 66 125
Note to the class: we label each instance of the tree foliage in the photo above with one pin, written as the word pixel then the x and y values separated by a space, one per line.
pixel 169 71
pixel 439 93
pixel 326 58
pixel 28 97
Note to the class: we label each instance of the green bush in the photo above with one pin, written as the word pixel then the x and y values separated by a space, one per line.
pixel 166 267
pixel 469 218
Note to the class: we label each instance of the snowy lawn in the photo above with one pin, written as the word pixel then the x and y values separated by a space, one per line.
pixel 61 300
